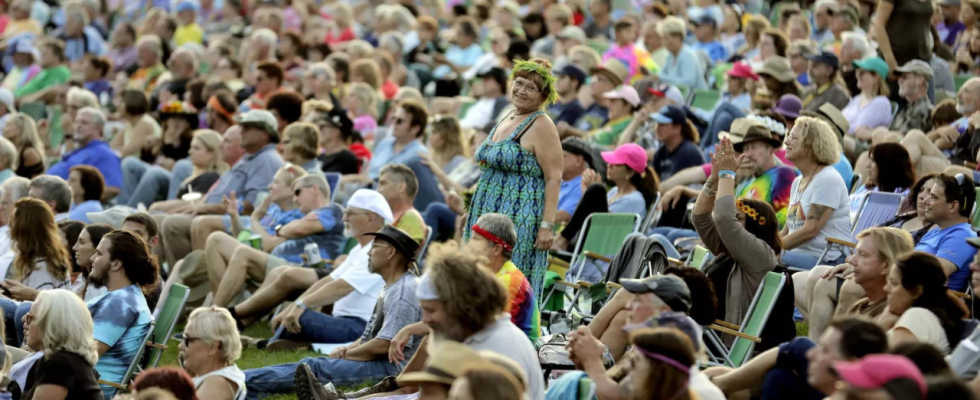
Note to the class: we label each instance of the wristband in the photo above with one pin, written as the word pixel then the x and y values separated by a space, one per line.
pixel 726 174
pixel 548 225
pixel 301 305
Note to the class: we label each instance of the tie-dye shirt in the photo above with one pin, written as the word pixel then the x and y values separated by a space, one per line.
pixel 523 307
pixel 121 319
pixel 773 187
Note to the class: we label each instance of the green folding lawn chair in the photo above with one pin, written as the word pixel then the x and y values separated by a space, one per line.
pixel 747 335
pixel 601 239
pixel 976 215
pixel 699 257
pixel 166 321
pixel 959 80
pixel 705 99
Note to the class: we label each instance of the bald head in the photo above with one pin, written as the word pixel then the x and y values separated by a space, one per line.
pixel 231 145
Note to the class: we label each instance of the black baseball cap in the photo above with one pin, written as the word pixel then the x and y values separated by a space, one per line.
pixel 399 239
pixel 705 20
pixel 669 288
pixel 673 115
pixel 573 71
pixel 825 57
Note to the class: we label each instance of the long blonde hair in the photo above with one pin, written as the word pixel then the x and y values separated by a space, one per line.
pixel 452 139
pixel 29 137
pixel 65 324
pixel 211 140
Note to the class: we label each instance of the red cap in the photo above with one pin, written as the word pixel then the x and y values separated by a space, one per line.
pixel 742 70
pixel 630 154
pixel 874 371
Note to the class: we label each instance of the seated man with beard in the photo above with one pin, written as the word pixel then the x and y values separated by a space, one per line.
pixel 350 288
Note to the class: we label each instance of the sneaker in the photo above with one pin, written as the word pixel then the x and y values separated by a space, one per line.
pixel 308 387
pixel 386 385
pixel 286 345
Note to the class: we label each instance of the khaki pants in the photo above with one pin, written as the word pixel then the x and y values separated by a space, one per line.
pixel 175 238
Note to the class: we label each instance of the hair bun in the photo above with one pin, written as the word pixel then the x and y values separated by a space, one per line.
pixel 542 62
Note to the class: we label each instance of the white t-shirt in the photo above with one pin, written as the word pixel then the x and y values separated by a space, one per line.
pixel 702 386
pixel 232 373
pixel 826 188
pixel 506 339
pixel 367 286
pixel 925 326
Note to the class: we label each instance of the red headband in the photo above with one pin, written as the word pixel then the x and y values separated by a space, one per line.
pixel 493 238
pixel 216 106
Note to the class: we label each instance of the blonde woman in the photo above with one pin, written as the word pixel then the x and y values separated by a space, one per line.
pixel 300 144
pixel 206 158
pixel 343 24
pixel 798 28
pixel 818 205
pixel 362 104
pixel 60 325
pixel 209 350
pixel 22 132
pixel 753 35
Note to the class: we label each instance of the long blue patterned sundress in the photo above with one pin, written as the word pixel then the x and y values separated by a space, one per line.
pixel 513 184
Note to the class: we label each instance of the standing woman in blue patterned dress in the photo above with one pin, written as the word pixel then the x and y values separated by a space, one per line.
pixel 522 163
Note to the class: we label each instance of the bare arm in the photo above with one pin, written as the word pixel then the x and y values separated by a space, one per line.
pixel 217 388
pixel 328 294
pixel 50 392
pixel 948 267
pixel 102 347
pixel 141 131
pixel 687 176
pixel 816 218
pixel 546 146
pixel 883 14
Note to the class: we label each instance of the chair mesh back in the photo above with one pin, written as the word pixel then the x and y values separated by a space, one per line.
pixel 607 231
pixel 755 319
pixel 879 208
pixel 168 318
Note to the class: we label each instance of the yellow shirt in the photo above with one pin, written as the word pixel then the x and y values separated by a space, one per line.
pixel 412 223
pixel 191 33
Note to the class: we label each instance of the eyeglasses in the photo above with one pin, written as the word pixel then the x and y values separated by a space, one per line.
pixel 379 245
pixel 188 339
pixel 348 213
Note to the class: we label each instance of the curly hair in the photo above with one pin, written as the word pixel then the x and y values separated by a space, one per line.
pixel 475 296
pixel 819 139
pixel 898 173
pixel 704 301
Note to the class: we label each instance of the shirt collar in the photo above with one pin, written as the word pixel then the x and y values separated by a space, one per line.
pixel 270 146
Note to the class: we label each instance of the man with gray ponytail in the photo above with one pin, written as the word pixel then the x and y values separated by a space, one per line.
pixel 494 238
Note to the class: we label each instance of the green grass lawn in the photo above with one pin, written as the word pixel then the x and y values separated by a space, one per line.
pixel 251 358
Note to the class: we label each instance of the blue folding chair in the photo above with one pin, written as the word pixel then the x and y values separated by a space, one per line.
pixel 333 181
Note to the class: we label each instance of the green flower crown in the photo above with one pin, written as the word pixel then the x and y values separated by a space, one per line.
pixel 549 80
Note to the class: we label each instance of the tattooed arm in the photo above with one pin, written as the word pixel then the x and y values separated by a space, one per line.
pixel 816 218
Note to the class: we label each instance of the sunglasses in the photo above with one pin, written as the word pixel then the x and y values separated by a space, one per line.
pixel 189 339
pixel 299 190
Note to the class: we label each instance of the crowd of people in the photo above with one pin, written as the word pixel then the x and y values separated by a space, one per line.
pixel 400 183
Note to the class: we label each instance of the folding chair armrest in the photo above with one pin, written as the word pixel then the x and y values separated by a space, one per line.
pixel 723 329
pixel 675 261
pixel 559 262
pixel 613 285
pixel 114 384
pixel 727 324
pixel 559 253
pixel 841 242
pixel 959 294
pixel 596 256
pixel 157 346
pixel 567 284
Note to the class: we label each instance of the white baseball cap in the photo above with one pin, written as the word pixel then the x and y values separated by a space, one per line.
pixel 7 98
pixel 370 200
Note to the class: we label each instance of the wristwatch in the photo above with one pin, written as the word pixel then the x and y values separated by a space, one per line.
pixel 301 305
